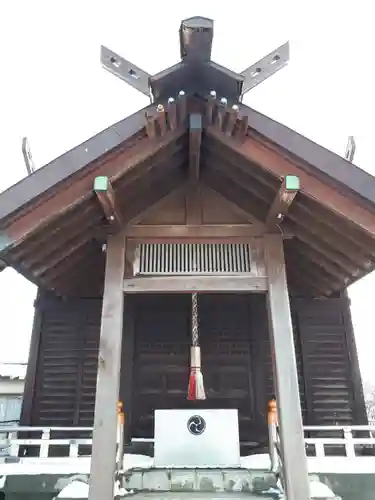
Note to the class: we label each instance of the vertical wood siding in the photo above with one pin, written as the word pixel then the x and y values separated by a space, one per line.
pixel 236 359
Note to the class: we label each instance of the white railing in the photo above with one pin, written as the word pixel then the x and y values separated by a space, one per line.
pixel 12 445
pixel 321 441
pixel 348 441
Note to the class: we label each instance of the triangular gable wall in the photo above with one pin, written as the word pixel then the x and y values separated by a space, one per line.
pixel 173 210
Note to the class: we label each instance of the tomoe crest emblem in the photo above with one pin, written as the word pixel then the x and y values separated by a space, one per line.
pixel 196 425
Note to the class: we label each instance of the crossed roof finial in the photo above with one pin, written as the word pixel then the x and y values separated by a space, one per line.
pixel 196 73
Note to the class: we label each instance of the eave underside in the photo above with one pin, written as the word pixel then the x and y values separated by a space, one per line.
pixel 64 251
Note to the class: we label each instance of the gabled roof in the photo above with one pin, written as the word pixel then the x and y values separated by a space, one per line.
pixel 53 223
pixel 52 226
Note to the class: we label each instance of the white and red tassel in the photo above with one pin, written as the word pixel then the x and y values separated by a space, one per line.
pixel 196 387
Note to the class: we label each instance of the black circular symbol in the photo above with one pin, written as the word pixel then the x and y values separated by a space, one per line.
pixel 196 425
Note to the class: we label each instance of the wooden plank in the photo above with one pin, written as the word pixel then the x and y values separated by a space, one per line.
pixel 239 211
pixel 284 198
pixel 108 202
pixel 313 187
pixel 159 204
pixel 285 372
pixel 193 201
pixel 103 461
pixel 194 231
pixel 185 284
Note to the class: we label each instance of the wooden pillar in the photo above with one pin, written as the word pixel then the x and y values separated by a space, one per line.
pixel 127 364
pixel 285 372
pixel 103 460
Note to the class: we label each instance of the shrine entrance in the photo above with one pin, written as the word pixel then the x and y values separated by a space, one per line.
pixel 236 359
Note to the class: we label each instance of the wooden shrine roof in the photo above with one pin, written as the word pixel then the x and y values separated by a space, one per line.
pixel 52 226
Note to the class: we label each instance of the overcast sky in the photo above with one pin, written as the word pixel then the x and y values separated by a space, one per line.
pixel 53 90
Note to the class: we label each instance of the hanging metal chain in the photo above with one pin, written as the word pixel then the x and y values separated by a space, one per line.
pixel 194 319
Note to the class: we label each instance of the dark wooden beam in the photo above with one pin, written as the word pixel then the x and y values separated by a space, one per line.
pixel 43 243
pixel 195 141
pixel 284 198
pixel 104 445
pixel 61 255
pixel 255 151
pixel 295 470
pixel 331 268
pixel 67 266
pixel 32 364
pixel 311 273
pixel 80 232
pixel 107 200
pixel 75 192
pixel 172 113
pixel 358 395
pixel 80 273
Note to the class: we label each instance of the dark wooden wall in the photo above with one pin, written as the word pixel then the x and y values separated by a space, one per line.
pixel 236 360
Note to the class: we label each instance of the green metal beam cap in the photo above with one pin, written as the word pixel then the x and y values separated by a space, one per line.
pixel 292 183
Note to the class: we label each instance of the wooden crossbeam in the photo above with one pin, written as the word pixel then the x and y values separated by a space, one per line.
pixel 107 200
pixel 185 284
pixel 284 198
pixel 195 141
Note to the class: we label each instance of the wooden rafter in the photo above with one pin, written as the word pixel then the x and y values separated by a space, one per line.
pixel 284 198
pixel 323 225
pixel 106 197
pixel 77 191
pixel 255 151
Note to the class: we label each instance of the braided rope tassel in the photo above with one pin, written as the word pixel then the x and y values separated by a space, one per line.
pixel 196 386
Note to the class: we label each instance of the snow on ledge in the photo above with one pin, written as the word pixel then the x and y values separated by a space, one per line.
pixel 326 465
pixel 73 466
pixel 64 466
